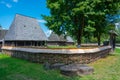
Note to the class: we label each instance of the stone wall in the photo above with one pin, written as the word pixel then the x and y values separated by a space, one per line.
pixel 83 58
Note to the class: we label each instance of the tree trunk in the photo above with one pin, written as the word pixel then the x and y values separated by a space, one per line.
pixel 99 38
pixel 79 37
pixel 80 32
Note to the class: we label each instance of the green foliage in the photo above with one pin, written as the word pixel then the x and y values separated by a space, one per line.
pixel 77 17
pixel 90 39
pixel 0 25
pixel 67 17
pixel 118 32
pixel 68 47
pixel 89 29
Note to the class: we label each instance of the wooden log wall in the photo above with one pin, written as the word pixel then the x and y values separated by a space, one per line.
pixel 83 58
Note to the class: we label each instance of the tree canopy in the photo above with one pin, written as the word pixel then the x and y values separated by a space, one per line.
pixel 75 17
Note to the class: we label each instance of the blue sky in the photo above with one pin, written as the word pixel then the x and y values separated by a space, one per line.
pixel 33 8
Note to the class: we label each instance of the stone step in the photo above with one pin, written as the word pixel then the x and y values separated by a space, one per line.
pixel 76 70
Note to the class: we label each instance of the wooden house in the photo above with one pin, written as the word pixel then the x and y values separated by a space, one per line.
pixel 69 40
pixel 55 39
pixel 2 34
pixel 25 31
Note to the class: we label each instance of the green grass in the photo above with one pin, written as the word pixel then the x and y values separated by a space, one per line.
pixel 106 69
pixel 54 47
pixel 70 46
pixel 15 69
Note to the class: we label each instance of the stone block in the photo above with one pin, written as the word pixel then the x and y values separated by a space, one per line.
pixel 76 70
pixel 46 66
pixel 57 65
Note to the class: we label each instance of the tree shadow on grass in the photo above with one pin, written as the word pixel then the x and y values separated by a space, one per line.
pixel 17 69
pixel 112 55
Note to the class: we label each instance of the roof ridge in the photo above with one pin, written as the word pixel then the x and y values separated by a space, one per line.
pixel 25 15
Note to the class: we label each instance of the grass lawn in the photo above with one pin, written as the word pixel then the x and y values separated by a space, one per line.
pixel 15 69
pixel 54 47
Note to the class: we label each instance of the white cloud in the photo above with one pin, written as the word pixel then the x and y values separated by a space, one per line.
pixel 8 5
pixel 48 33
pixel 41 21
pixel 15 1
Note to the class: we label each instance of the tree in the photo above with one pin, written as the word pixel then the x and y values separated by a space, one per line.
pixel 101 10
pixel 0 26
pixel 88 33
pixel 72 16
pixel 67 17
pixel 117 29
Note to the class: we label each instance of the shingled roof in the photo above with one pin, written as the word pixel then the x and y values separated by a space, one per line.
pixel 69 39
pixel 2 33
pixel 55 37
pixel 25 28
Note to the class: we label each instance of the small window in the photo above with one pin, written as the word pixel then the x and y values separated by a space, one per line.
pixel 24 25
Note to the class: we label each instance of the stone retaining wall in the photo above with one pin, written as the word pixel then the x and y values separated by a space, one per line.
pixel 78 56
